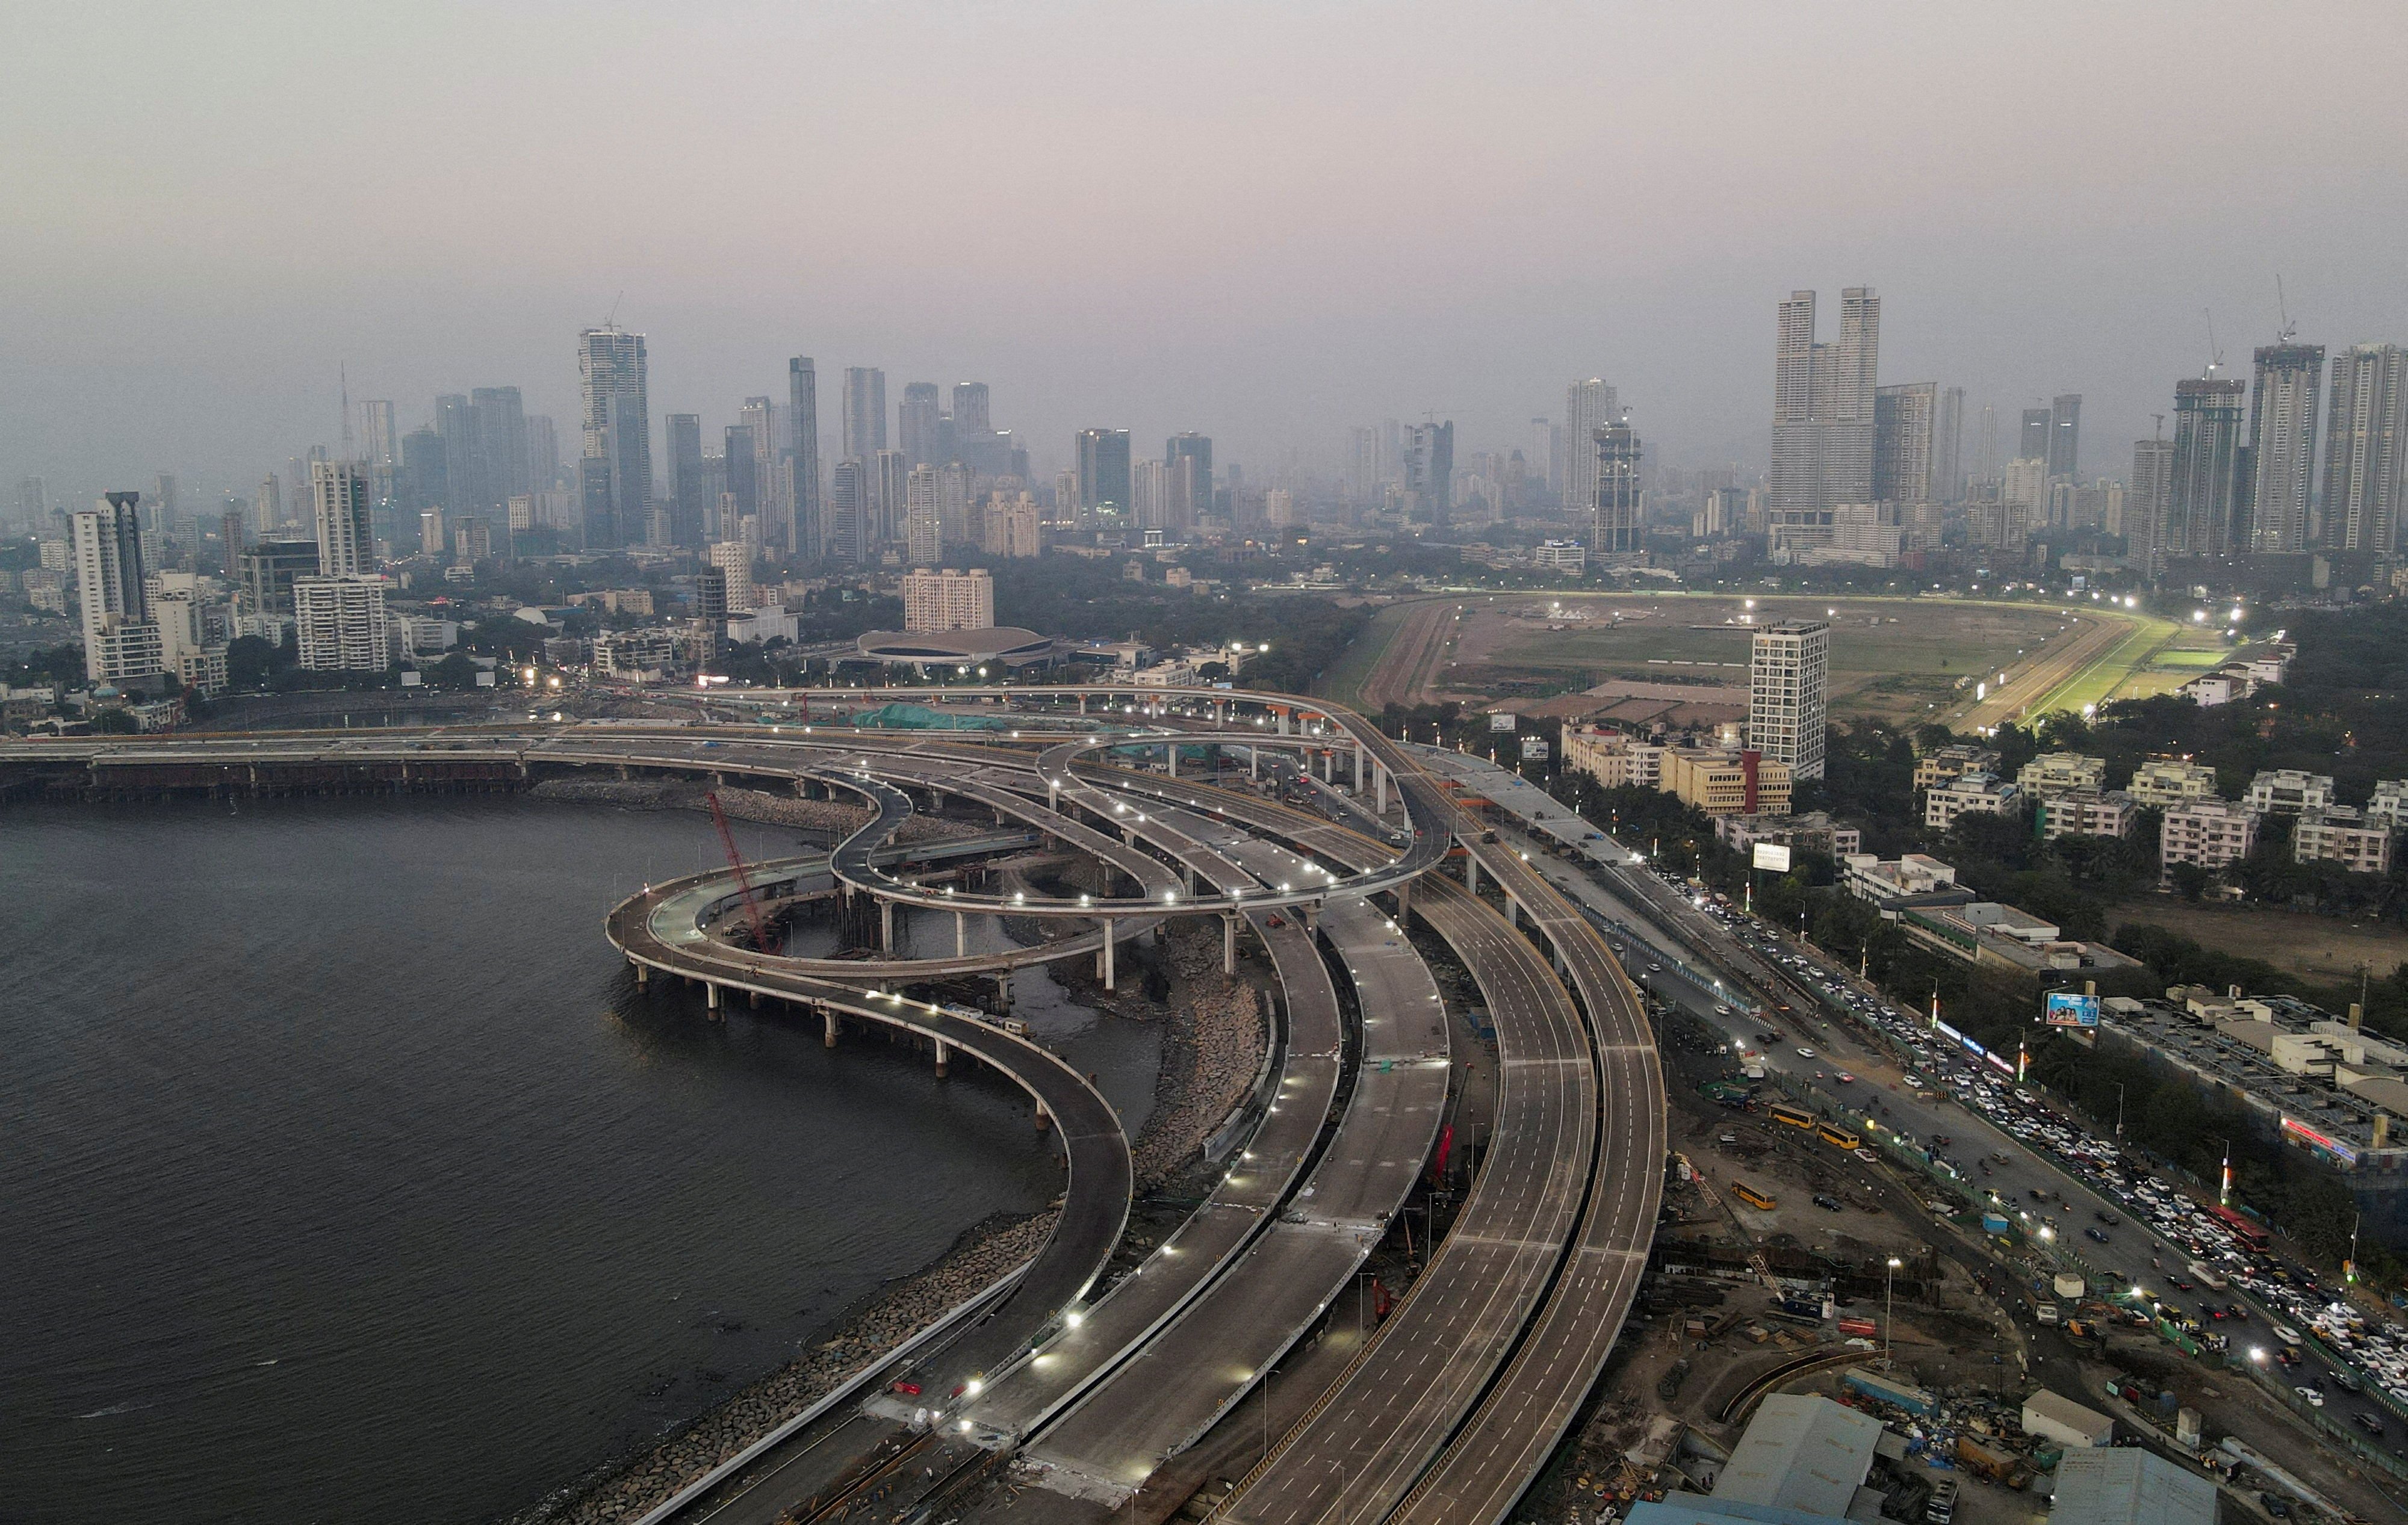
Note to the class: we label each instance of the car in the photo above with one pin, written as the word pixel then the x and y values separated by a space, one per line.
pixel 2287 1357
pixel 2346 1382
pixel 1829 1204
pixel 1767 1037
pixel 2367 1422
pixel 2182 1285
pixel 1844 1078
pixel 1655 968
pixel 1805 1053
pixel 2098 1237
pixel 2106 1217
pixel 2315 1399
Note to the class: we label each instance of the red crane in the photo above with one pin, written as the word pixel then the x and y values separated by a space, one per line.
pixel 744 880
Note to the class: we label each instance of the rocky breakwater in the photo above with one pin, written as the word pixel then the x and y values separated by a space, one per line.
pixel 1211 1050
pixel 862 1339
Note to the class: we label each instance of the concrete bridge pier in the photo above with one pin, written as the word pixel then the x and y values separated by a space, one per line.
pixel 886 926
pixel 1044 1121
pixel 1254 762
pixel 1109 939
pixel 1472 874
pixel 961 934
pixel 1359 767
pixel 1312 916
pixel 643 974
pixel 827 1037
pixel 711 994
pixel 1379 785
pixel 1404 902
pixel 1512 911
pixel 944 1057
pixel 1229 942
pixel 1003 990
pixel 1283 722
pixel 1083 704
pixel 755 997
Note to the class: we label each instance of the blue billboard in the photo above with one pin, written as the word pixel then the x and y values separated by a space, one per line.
pixel 2068 1009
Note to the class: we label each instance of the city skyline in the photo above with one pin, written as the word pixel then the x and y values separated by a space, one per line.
pixel 2101 286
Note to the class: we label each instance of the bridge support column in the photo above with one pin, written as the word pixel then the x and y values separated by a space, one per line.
pixel 886 926
pixel 1359 767
pixel 1311 915
pixel 1170 759
pixel 753 999
pixel 1108 925
pixel 1254 762
pixel 643 975
pixel 1053 795
pixel 1083 704
pixel 1229 942
pixel 1003 990
pixel 1043 1120
pixel 944 1057
pixel 961 934
pixel 1404 903
pixel 1513 910
pixel 827 1037
pixel 1283 722
pixel 1472 874
pixel 711 994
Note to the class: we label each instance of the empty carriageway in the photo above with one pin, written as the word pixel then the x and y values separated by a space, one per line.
pixel 1200 1367
pixel 1487 1467
pixel 1361 1451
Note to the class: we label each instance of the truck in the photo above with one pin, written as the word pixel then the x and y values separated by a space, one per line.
pixel 2067 1287
pixel 2004 1468
pixel 2206 1275
pixel 2044 1311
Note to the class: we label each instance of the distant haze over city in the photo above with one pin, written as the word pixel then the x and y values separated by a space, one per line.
pixel 1269 223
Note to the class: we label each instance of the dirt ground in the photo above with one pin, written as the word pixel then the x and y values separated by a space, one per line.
pixel 2317 947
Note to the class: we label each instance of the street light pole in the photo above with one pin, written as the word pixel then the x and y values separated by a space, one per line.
pixel 2119 1109
pixel 1889 1312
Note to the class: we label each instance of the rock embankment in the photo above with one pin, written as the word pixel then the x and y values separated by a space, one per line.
pixel 864 1337
pixel 831 819
pixel 1211 1050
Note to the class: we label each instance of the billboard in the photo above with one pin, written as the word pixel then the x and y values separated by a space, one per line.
pixel 1534 749
pixel 1771 855
pixel 1501 719
pixel 2068 1009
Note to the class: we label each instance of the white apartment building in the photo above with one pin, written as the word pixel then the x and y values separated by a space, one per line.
pixel 1560 555
pixel 2288 792
pixel 2209 833
pixel 2390 802
pixel 1869 877
pixel 121 641
pixel 634 653
pixel 734 559
pixel 2060 773
pixel 2088 812
pixel 1973 792
pixel 1942 764
pixel 1614 759
pixel 949 600
pixel 2342 835
pixel 1788 674
pixel 341 624
pixel 2171 780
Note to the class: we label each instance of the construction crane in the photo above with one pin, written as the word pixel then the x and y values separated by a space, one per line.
pixel 744 880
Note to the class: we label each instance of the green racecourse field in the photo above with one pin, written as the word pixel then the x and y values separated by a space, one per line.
pixel 1905 660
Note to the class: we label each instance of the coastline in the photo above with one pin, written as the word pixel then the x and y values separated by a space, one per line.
pixel 1213 1031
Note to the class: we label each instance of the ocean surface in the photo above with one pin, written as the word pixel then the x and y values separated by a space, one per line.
pixel 345 1175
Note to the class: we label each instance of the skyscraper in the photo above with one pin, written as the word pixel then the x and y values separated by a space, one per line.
pixel 2366 449
pixel 1588 407
pixel 341 624
pixel 338 496
pixel 1104 471
pixel 759 415
pixel 2205 484
pixel 847 514
pixel 498 420
pixel 615 471
pixel 2031 442
pixel 455 422
pixel 2065 434
pixel 808 535
pixel 682 469
pixel 1823 402
pixel 923 531
pixel 543 452
pixel 971 420
pixel 1905 431
pixel 1188 459
pixel 1788 673
pixel 743 474
pixel 918 421
pixel 1429 472
pixel 890 486
pixel 1948 447
pixel 121 641
pixel 2283 447
pixel 865 412
pixel 1150 495
pixel 1616 501
pixel 2144 506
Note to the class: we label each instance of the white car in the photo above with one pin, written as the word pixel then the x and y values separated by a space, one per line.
pixel 2315 1399
pixel 1805 1053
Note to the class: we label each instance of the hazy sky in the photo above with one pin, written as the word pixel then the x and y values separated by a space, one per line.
pixel 1264 222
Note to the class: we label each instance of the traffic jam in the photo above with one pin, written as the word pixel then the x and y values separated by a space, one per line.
pixel 2221 1249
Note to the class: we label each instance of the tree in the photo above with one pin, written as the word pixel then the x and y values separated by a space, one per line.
pixel 114 722
pixel 2190 880
pixel 456 671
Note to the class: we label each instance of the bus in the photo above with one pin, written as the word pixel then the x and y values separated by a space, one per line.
pixel 1839 1138
pixel 2251 1234
pixel 1795 1116
pixel 1750 1195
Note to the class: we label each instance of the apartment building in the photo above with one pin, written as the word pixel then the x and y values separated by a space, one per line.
pixel 1943 763
pixel 2061 773
pixel 2340 834
pixel 1970 791
pixel 2088 812
pixel 2209 833
pixel 2288 792
pixel 2171 780
pixel 1616 759
pixel 1728 783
